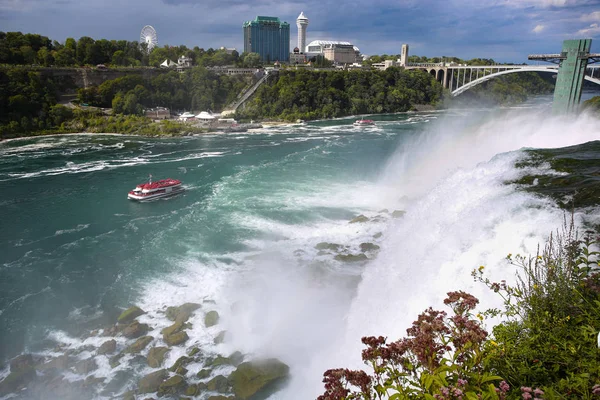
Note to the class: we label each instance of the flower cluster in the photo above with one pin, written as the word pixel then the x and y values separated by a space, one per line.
pixel 441 356
pixel 528 393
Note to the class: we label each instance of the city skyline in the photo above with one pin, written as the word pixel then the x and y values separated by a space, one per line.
pixel 506 30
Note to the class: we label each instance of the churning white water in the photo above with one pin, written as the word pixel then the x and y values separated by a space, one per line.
pixel 460 214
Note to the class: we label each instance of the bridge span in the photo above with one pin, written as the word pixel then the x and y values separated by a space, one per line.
pixel 460 78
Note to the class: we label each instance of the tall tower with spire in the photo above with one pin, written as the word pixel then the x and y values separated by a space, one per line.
pixel 302 23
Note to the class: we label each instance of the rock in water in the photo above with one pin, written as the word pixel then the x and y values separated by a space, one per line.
pixel 84 367
pixel 108 347
pixel 181 362
pixel 328 246
pixel 220 338
pixel 172 386
pixel 139 345
pixel 21 363
pixel 211 318
pixel 22 372
pixel 176 327
pixel 351 257
pixel 176 338
pixel 183 312
pixel 253 377
pixel 203 373
pixel 135 329
pixel 151 382
pixel 130 314
pixel 156 356
pixel 398 213
pixel 364 247
pixel 218 384
pixel 360 219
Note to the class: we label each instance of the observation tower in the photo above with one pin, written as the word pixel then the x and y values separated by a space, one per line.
pixel 302 23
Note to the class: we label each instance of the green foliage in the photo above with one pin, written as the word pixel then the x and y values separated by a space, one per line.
pixel 17 48
pixel 547 340
pixel 592 105
pixel 28 98
pixel 553 319
pixel 312 95
pixel 441 358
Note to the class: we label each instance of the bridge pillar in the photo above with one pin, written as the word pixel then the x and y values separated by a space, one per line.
pixel 571 75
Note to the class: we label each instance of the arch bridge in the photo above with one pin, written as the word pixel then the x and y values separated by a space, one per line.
pixel 460 78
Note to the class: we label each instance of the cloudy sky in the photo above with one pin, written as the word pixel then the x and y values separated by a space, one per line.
pixel 505 30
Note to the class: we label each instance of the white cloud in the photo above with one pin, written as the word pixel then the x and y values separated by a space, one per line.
pixel 593 30
pixel 539 28
pixel 544 3
pixel 595 16
pixel 17 5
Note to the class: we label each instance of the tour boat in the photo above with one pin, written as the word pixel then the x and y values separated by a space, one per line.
pixel 154 190
pixel 364 122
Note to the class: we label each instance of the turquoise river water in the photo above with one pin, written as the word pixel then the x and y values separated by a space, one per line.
pixel 74 251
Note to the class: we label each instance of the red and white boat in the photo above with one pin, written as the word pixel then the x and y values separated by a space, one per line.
pixel 154 190
pixel 364 122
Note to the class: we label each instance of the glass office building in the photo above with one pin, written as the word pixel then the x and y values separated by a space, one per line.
pixel 268 37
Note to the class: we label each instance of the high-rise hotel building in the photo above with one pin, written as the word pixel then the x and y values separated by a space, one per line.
pixel 268 37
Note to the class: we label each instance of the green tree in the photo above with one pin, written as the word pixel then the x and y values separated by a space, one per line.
pixel 252 60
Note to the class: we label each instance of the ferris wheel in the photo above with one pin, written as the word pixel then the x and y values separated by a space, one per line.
pixel 148 36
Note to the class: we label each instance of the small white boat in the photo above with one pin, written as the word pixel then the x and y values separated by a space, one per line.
pixel 154 190
pixel 364 122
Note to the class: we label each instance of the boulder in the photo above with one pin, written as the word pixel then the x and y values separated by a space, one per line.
pixel 176 338
pixel 172 386
pixel 130 314
pixel 351 257
pixel 203 373
pixel 236 358
pixel 129 395
pixel 135 330
pixel 107 347
pixel 360 219
pixel 21 363
pixel 218 361
pixel 253 377
pixel 377 235
pixel 364 247
pixel 181 362
pixel 115 360
pixel 211 318
pixel 151 382
pixel 220 397
pixel 17 380
pixel 183 312
pixel 84 367
pixel 176 327
pixel 156 356
pixel 181 371
pixel 193 351
pixel 398 214
pixel 328 246
pixel 218 384
pixel 139 345
pixel 121 378
pixel 22 372
pixel 220 338
pixel 192 390
pixel 60 363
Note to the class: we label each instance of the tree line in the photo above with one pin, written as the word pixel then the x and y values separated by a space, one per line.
pixel 29 99
pixel 308 95
pixel 17 48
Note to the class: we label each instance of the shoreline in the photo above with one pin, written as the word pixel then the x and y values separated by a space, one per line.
pixel 265 124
